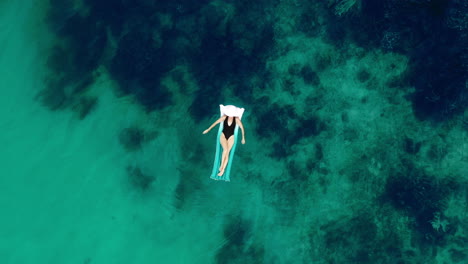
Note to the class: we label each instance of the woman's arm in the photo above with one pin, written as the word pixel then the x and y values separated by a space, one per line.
pixel 214 124
pixel 238 121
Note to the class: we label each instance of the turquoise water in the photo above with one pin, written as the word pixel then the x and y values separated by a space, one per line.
pixel 349 158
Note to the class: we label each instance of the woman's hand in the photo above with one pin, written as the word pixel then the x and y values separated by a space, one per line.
pixel 243 141
pixel 206 131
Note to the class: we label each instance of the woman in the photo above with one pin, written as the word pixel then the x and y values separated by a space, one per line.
pixel 227 136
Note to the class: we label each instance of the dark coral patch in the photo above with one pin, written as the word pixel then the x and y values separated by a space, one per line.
pixel 311 126
pixel 363 75
pixel 152 37
pixel 457 255
pixel 283 124
pixel 439 74
pixel 410 146
pixel 275 121
pixel 302 128
pixel 85 106
pixel 84 45
pixel 237 233
pixel 358 241
pixel 139 180
pixel 423 197
pixel 222 60
pixel 53 96
pixel 73 60
pixel 309 76
pixel 132 138
pixel 189 183
pixel 232 58
pixel 138 67
pixel 206 102
pixel 294 69
pixel 438 64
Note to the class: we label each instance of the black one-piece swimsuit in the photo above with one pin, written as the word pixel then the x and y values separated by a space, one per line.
pixel 228 130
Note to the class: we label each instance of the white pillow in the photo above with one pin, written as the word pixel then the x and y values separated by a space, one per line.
pixel 231 110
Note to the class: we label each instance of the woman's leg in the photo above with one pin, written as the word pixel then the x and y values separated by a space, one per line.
pixel 230 143
pixel 223 142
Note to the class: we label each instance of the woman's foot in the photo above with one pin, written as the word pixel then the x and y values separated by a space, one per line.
pixel 222 166
pixel 221 172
